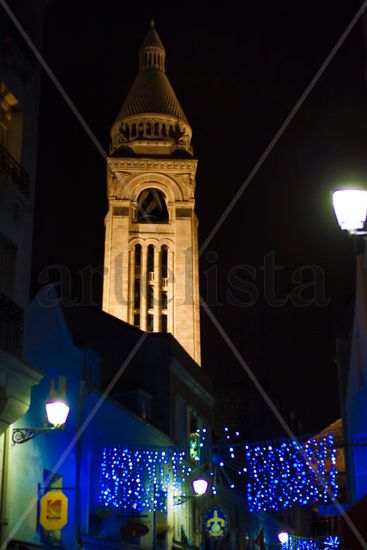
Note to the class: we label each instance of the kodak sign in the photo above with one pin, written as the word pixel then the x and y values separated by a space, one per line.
pixel 53 511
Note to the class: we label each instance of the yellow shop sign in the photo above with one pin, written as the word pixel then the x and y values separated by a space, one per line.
pixel 54 510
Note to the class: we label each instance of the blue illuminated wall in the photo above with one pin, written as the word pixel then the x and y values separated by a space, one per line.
pixel 356 393
pixel 50 348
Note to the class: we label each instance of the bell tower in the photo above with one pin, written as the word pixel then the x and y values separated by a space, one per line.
pixel 151 244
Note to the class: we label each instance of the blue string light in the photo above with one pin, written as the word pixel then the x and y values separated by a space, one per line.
pixel 322 543
pixel 277 475
pixel 273 476
pixel 139 480
pixel 290 474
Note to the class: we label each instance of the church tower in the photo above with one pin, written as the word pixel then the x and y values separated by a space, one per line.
pixel 151 245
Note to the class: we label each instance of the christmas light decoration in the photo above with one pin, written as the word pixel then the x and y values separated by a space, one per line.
pixel 276 475
pixel 273 476
pixel 290 473
pixel 141 479
pixel 321 543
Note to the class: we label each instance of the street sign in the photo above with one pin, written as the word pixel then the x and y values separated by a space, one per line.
pixel 53 511
pixel 216 523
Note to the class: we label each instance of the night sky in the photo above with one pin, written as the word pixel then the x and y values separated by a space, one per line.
pixel 237 70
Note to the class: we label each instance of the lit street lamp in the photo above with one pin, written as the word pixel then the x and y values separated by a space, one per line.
pixel 200 486
pixel 350 206
pixel 57 411
pixel 283 537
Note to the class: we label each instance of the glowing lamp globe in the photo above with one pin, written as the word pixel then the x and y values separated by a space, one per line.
pixel 283 537
pixel 200 486
pixel 350 206
pixel 57 412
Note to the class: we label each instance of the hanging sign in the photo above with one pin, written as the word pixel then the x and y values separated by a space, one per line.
pixel 216 523
pixel 53 511
pixel 195 447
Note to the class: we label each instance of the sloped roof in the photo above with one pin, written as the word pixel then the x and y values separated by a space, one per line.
pixel 152 93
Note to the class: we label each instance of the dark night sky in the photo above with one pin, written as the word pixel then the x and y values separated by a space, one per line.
pixel 237 70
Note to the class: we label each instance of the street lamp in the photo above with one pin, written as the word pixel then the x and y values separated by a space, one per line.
pixel 283 537
pixel 57 411
pixel 200 486
pixel 350 206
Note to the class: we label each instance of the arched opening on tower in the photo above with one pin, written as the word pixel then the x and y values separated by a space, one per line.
pixel 152 207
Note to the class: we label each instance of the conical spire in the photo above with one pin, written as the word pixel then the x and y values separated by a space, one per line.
pixel 151 112
pixel 152 38
pixel 152 54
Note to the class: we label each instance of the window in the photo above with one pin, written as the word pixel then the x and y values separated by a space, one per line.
pixel 150 259
pixel 137 294
pixel 164 262
pixel 137 267
pixel 164 323
pixel 11 123
pixel 164 299
pixel 149 322
pixel 150 297
pixel 137 260
pixel 151 207
pixel 8 257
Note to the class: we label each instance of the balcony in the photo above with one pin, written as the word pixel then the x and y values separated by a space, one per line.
pixel 13 169
pixel 11 326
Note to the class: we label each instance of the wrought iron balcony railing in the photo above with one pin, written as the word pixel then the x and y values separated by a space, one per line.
pixel 18 175
pixel 11 326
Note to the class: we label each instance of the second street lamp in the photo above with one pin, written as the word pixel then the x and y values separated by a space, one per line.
pixel 350 206
pixel 200 486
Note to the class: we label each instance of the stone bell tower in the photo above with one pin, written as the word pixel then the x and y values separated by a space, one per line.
pixel 151 245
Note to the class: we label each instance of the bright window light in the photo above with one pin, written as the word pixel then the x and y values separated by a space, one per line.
pixel 350 206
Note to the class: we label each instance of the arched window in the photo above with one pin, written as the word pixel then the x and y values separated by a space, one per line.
pixel 137 260
pixel 151 207
pixel 150 259
pixel 164 261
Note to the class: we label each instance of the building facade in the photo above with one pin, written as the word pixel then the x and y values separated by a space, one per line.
pixel 19 101
pixel 151 244
pixel 147 415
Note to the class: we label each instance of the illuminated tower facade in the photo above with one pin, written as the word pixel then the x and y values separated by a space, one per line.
pixel 151 245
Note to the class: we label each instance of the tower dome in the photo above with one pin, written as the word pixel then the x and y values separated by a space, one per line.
pixel 151 120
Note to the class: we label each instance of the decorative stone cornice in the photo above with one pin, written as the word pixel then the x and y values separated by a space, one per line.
pixel 133 165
